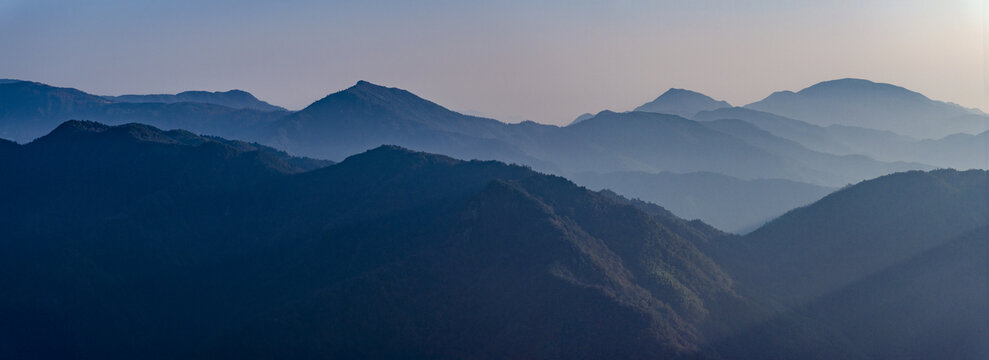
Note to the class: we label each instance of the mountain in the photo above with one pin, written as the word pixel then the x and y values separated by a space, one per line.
pixel 959 151
pixel 727 203
pixel 857 102
pixel 844 168
pixel 133 242
pixel 934 305
pixel 654 142
pixel 234 99
pixel 29 110
pixel 834 139
pixel 858 231
pixel 368 115
pixel 582 117
pixel 682 102
pixel 896 264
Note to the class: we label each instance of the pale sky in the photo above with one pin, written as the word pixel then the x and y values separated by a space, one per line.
pixel 547 61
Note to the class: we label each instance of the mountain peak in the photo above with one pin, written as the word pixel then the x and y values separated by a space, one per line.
pixel 855 86
pixel 76 129
pixel 682 102
pixel 234 99
pixel 881 106
pixel 392 155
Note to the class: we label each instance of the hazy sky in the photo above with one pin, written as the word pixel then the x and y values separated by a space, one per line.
pixel 547 61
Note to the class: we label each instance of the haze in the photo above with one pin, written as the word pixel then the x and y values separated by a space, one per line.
pixel 546 62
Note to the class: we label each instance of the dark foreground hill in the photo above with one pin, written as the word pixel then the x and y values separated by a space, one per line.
pixel 932 306
pixel 898 263
pixel 131 242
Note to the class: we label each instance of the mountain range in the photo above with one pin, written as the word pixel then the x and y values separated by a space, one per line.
pixel 29 110
pixel 129 241
pixel 959 151
pixel 133 242
pixel 235 99
pixel 746 145
pixel 858 102
pixel 683 103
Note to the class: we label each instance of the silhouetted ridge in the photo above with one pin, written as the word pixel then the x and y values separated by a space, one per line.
pixel 236 99
pixel 682 102
pixel 88 134
pixel 29 110
pixel 217 250
pixel 814 250
pixel 858 102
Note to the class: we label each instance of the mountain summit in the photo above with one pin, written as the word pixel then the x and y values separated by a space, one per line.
pixel 367 115
pixel 682 102
pixel 858 102
pixel 234 99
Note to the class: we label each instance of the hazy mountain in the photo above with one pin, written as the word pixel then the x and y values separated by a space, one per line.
pixel 858 231
pixel 367 115
pixel 582 117
pixel 856 102
pixel 654 142
pixel 682 102
pixel 845 168
pixel 132 242
pixel 728 203
pixel 234 99
pixel 29 110
pixel 834 139
pixel 960 151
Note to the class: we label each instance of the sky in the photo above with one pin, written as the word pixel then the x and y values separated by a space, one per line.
pixel 546 61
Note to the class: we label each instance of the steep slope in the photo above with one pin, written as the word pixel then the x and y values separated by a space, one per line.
pixel 234 99
pixel 29 110
pixel 858 231
pixel 728 203
pixel 682 102
pixel 935 305
pixel 132 242
pixel 857 102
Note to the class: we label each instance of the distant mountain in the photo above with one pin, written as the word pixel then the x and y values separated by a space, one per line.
pixel 857 102
pixel 234 99
pixel 29 110
pixel 654 142
pixel 844 168
pixel 728 203
pixel 959 151
pixel 682 102
pixel 582 117
pixel 858 231
pixel 118 241
pixel 366 115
